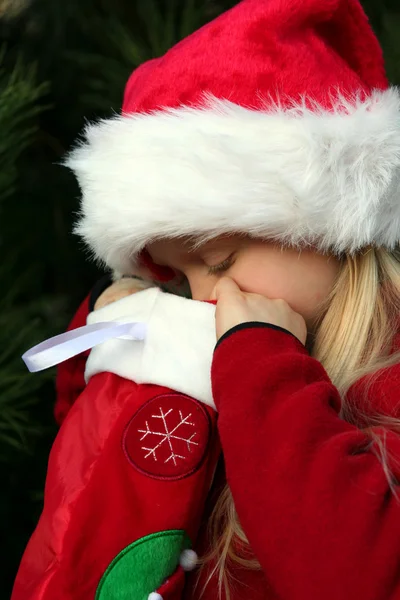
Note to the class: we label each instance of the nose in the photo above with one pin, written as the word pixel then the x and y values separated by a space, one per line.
pixel 201 285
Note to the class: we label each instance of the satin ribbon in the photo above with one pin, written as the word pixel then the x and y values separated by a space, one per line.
pixel 66 345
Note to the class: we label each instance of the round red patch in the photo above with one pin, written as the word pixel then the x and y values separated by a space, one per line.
pixel 168 437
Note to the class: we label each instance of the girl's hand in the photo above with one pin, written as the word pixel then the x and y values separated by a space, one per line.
pixel 235 307
pixel 121 288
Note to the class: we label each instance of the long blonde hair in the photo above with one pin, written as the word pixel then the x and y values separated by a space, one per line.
pixel 354 338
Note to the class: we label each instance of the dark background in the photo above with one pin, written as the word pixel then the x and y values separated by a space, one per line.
pixel 61 62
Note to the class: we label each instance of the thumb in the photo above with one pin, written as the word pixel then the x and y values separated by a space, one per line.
pixel 225 285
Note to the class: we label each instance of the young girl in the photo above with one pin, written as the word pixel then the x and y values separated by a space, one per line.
pixel 260 158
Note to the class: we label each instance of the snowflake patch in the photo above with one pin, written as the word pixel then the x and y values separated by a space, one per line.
pixel 167 438
pixel 170 435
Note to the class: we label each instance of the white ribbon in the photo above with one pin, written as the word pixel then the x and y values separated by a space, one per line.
pixel 66 345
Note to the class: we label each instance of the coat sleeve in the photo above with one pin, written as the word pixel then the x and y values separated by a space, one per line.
pixel 127 480
pixel 319 511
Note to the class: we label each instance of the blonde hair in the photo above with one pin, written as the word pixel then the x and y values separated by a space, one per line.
pixel 354 337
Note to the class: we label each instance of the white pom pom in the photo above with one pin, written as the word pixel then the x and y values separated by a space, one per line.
pixel 188 560
pixel 155 596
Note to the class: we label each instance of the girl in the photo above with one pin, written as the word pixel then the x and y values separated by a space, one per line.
pixel 260 158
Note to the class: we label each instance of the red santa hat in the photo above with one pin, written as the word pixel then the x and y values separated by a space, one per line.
pixel 274 120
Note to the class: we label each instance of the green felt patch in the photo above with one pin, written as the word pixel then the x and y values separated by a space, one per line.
pixel 143 566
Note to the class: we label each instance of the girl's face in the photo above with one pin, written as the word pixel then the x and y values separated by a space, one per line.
pixel 303 278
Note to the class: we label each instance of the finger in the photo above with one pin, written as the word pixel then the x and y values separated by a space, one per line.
pixel 225 285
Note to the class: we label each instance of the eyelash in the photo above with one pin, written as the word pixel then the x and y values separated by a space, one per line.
pixel 223 266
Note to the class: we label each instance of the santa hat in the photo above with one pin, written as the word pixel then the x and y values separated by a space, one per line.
pixel 274 120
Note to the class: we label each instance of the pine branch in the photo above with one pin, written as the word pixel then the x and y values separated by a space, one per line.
pixel 19 94
pixel 21 326
pixel 120 46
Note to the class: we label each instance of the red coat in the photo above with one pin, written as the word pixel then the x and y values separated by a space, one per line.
pixel 309 489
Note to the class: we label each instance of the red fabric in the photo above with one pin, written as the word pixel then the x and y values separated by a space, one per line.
pixel 159 272
pixel 311 494
pixel 262 50
pixel 97 503
pixel 70 380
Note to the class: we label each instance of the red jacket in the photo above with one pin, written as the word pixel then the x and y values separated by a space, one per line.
pixel 309 488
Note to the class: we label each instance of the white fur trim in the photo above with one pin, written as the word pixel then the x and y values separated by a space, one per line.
pixel 155 596
pixel 178 348
pixel 301 176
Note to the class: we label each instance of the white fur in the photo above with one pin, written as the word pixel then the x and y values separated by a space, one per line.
pixel 188 559
pixel 303 176
pixel 178 348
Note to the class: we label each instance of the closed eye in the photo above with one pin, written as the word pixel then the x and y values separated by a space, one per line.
pixel 221 267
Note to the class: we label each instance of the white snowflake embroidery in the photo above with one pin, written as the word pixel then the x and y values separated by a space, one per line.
pixel 168 436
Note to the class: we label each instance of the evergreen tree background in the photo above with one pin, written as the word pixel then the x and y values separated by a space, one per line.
pixel 62 63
